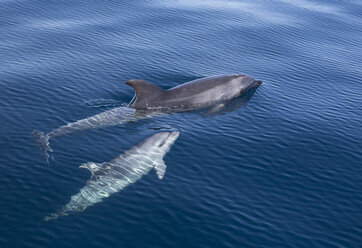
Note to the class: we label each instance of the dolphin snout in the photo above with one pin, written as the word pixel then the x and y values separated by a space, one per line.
pixel 257 82
pixel 174 134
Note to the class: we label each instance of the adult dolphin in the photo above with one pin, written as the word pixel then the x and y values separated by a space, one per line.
pixel 151 100
pixel 110 177
pixel 191 95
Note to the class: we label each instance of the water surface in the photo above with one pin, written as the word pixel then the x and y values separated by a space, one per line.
pixel 282 170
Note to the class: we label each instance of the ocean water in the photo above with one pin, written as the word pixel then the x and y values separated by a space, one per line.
pixel 282 169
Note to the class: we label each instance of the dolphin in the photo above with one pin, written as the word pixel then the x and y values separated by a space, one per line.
pixel 150 100
pixel 192 95
pixel 110 177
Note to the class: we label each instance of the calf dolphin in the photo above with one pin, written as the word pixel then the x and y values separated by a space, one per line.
pixel 191 95
pixel 110 177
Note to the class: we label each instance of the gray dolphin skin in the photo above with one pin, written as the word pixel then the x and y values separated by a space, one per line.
pixel 110 177
pixel 191 95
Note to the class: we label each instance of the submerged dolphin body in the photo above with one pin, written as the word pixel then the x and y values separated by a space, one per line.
pixel 110 177
pixel 195 94
pixel 115 116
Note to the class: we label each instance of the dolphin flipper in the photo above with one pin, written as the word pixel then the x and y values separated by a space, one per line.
pixel 160 168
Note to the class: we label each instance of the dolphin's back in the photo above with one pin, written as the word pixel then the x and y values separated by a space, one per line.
pixel 203 84
pixel 190 95
pixel 199 91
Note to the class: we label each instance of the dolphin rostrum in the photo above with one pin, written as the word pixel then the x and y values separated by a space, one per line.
pixel 110 177
pixel 191 95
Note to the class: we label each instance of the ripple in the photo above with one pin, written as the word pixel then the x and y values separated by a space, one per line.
pixel 281 168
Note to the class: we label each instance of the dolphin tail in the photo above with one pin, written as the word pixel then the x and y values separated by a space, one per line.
pixel 55 216
pixel 43 142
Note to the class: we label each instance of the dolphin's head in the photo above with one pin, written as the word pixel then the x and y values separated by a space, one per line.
pixel 245 82
pixel 160 142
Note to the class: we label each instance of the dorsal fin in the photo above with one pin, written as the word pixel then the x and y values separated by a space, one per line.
pixel 144 92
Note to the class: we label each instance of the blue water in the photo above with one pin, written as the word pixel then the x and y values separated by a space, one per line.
pixel 282 170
